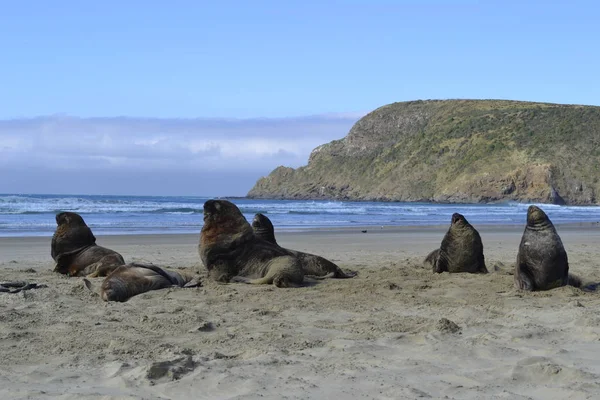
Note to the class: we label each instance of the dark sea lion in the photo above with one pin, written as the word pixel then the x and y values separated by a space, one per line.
pixel 461 249
pixel 314 266
pixel 75 250
pixel 263 228
pixel 542 262
pixel 231 251
pixel 132 279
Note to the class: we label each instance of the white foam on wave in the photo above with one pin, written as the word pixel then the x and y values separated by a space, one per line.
pixel 27 215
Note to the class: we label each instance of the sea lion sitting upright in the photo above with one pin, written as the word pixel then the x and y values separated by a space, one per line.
pixel 314 266
pixel 542 262
pixel 231 251
pixel 461 249
pixel 75 250
pixel 132 279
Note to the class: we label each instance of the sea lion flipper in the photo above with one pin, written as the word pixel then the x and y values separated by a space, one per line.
pixel 259 281
pixel 575 281
pixel 193 283
pixel 441 265
pixel 321 277
pixel 341 274
pixel 482 269
pixel 522 279
pixel 243 279
pixel 174 277
pixel 90 286
pixel 481 263
pixel 94 274
pixel 346 274
pixel 431 259
pixel 277 281
pixel 337 273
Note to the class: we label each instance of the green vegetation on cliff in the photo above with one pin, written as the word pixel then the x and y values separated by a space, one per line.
pixel 454 151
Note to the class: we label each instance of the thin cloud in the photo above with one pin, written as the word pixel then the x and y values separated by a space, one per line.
pixel 122 149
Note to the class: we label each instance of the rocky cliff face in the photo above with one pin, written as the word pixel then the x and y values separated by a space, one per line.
pixel 454 151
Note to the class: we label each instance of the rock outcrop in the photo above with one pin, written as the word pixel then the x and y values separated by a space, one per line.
pixel 454 151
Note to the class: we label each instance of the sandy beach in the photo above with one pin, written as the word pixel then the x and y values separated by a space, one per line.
pixel 380 335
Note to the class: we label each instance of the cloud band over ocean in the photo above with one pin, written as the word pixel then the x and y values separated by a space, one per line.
pixel 127 155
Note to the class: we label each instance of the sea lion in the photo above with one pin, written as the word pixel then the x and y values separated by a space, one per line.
pixel 231 252
pixel 461 249
pixel 314 266
pixel 132 279
pixel 542 262
pixel 75 250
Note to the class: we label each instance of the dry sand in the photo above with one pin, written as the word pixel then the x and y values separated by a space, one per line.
pixel 380 335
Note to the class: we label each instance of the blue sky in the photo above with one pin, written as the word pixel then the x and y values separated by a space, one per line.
pixel 279 59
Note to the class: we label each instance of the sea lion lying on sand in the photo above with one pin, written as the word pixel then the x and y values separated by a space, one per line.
pixel 461 249
pixel 314 266
pixel 132 279
pixel 232 252
pixel 75 250
pixel 542 261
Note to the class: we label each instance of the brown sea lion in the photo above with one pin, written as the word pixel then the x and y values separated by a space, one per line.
pixel 461 249
pixel 231 251
pixel 314 266
pixel 75 250
pixel 132 279
pixel 542 262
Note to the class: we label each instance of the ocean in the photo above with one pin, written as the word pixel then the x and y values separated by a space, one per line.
pixel 33 215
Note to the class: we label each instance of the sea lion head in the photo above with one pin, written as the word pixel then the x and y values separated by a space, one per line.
pixel 224 233
pixel 69 218
pixel 71 235
pixel 263 228
pixel 116 286
pixel 536 216
pixel 223 221
pixel 261 221
pixel 223 212
pixel 459 220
